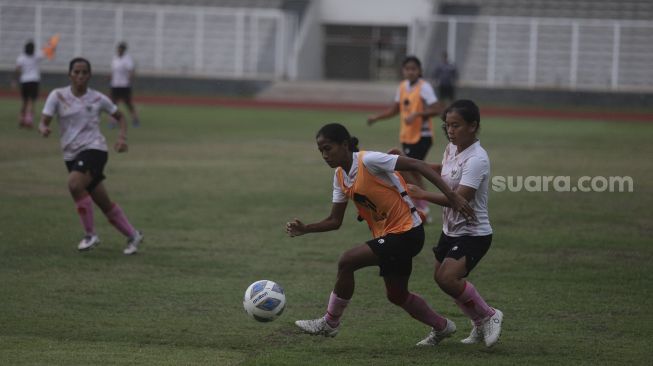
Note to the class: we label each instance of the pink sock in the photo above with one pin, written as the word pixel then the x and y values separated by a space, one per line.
pixel 419 309
pixel 118 219
pixel 473 305
pixel 335 309
pixel 85 211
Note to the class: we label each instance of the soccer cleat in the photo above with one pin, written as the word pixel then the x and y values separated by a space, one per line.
pixel 475 336
pixel 436 337
pixel 133 243
pixel 317 327
pixel 491 328
pixel 88 243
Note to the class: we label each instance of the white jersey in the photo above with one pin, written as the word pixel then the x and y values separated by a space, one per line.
pixel 79 119
pixel 470 168
pixel 382 166
pixel 121 67
pixel 29 67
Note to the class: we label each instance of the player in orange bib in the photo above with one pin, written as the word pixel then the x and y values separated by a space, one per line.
pixel 415 102
pixel 370 179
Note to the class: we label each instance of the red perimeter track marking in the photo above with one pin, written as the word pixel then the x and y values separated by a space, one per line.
pixel 525 112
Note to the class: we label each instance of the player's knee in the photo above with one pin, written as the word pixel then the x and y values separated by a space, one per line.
pixel 76 187
pixel 445 280
pixel 345 263
pixel 397 296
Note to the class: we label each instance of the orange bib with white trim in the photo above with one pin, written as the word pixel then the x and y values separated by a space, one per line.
pixel 411 102
pixel 378 203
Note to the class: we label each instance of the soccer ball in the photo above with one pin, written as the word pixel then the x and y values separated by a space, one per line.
pixel 264 300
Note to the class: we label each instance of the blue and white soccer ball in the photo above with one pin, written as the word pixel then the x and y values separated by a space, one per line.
pixel 264 300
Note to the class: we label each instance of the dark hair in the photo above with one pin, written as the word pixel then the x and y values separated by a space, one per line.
pixel 122 44
pixel 467 109
pixel 29 48
pixel 78 59
pixel 338 133
pixel 415 60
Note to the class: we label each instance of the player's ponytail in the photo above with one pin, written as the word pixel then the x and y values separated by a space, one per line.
pixel 353 144
pixel 338 134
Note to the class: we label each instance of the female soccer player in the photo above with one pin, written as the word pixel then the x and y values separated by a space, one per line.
pixel 29 76
pixel 466 170
pixel 379 193
pixel 85 151
pixel 122 77
pixel 416 102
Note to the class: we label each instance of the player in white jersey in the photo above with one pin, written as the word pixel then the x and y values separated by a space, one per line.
pixel 85 152
pixel 122 77
pixel 29 76
pixel 466 170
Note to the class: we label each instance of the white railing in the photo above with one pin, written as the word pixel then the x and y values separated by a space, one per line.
pixel 541 52
pixel 163 40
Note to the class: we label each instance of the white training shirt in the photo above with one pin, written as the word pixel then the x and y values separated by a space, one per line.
pixel 381 166
pixel 79 119
pixel 29 67
pixel 121 67
pixel 471 168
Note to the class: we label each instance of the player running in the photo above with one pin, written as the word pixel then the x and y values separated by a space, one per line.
pixel 84 148
pixel 466 169
pixel 379 193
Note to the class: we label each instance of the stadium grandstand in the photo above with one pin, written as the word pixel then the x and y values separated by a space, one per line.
pixel 334 48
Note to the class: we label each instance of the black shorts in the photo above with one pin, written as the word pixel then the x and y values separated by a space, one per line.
pixel 446 92
pixel 456 247
pixel 29 90
pixel 122 94
pixel 418 150
pixel 396 251
pixel 92 161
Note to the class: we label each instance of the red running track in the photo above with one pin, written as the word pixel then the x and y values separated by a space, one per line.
pixel 491 111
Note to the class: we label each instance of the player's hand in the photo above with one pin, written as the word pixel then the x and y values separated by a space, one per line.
pixel 371 120
pixel 295 228
pixel 411 118
pixel 416 192
pixel 44 130
pixel 460 204
pixel 14 85
pixel 121 145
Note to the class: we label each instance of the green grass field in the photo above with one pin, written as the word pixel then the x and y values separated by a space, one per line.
pixel 212 188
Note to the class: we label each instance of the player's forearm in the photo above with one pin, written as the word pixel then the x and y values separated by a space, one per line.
pixel 328 224
pixel 437 198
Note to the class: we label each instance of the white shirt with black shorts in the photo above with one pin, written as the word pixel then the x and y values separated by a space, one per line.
pixel 121 69
pixel 83 145
pixel 30 74
pixel 421 148
pixel 470 168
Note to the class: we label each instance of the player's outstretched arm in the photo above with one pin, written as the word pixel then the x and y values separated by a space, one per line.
pixel 121 144
pixel 439 198
pixel 456 201
pixel 391 112
pixel 333 222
